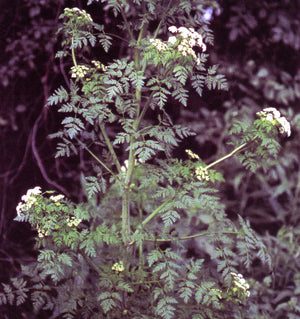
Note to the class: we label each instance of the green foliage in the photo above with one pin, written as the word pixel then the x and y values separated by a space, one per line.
pixel 124 251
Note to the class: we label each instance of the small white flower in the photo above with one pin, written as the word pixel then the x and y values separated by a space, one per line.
pixel 31 193
pixel 173 29
pixel 125 166
pixel 172 40
pixel 202 174
pixel 159 44
pixel 20 208
pixel 241 283
pixel 57 198
pixel 34 191
pixel 184 32
pixel 28 200
pixel 191 154
pixel 285 126
pixel 181 48
pixel 73 221
pixel 118 267
pixel 269 117
pixel 192 42
pixel 273 115
pixel 272 110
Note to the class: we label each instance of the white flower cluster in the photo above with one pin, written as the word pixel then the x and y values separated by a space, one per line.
pixel 241 283
pixel 188 39
pixel 273 115
pixel 57 198
pixel 41 232
pixel 81 14
pixel 73 221
pixel 118 267
pixel 28 200
pixel 99 65
pixel 192 155
pixel 80 71
pixel 202 173
pixel 160 46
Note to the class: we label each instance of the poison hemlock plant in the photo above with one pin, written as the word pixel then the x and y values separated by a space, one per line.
pixel 123 252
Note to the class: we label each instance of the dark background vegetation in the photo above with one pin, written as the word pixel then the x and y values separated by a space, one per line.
pixel 256 46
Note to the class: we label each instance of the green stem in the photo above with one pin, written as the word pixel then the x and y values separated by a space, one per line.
pixel 140 115
pixel 110 147
pixel 234 152
pixel 157 30
pixel 162 19
pixel 126 194
pixel 296 197
pixel 127 24
pixel 91 263
pixel 145 108
pixel 131 159
pixel 154 213
pixel 73 54
pixel 145 282
pixel 137 60
pixel 117 36
pixel 141 256
pixel 97 158
pixel 150 217
pixel 191 236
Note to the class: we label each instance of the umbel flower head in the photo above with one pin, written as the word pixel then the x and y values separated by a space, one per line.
pixel 79 71
pixel 273 115
pixel 241 284
pixel 28 200
pixel 118 267
pixel 188 38
pixel 160 45
pixel 184 41
pixel 81 15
